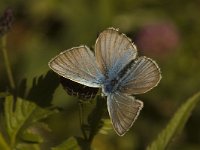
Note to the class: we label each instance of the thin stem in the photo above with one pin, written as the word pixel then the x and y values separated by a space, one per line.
pixel 81 120
pixel 95 118
pixel 7 63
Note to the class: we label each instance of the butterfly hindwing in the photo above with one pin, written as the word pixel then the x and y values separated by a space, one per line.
pixel 78 90
pixel 123 111
pixel 77 64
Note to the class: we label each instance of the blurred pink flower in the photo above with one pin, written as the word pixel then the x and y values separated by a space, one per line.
pixel 157 39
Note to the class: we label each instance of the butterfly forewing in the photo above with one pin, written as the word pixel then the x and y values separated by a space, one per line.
pixel 77 64
pixel 113 51
pixel 143 75
pixel 123 111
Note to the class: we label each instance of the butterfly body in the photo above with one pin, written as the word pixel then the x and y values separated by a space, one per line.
pixel 116 69
pixel 109 86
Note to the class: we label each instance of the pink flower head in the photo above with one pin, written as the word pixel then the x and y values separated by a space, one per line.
pixel 157 39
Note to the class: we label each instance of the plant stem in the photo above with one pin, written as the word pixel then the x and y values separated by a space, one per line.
pixel 7 63
pixel 82 120
pixel 95 118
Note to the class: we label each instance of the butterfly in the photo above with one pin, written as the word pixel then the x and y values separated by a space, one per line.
pixel 116 69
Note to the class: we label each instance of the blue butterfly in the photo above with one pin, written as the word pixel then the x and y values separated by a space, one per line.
pixel 116 69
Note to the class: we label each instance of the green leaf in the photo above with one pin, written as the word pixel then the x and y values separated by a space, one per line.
pixel 107 126
pixel 3 94
pixel 3 144
pixel 69 144
pixel 31 136
pixel 21 114
pixel 175 125
pixel 43 89
pixel 35 133
pixel 41 113
pixel 16 115
pixel 26 146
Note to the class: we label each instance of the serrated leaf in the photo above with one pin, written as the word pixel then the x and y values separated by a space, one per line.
pixel 43 88
pixel 69 144
pixel 16 115
pixel 20 114
pixel 175 125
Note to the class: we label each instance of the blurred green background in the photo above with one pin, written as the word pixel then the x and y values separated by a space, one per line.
pixel 167 31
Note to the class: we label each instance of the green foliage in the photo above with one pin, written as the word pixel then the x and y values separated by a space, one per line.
pixel 107 126
pixel 31 134
pixel 92 126
pixel 176 124
pixel 95 122
pixel 25 146
pixel 20 115
pixel 3 94
pixel 16 116
pixel 23 117
pixel 70 144
pixel 3 144
pixel 43 89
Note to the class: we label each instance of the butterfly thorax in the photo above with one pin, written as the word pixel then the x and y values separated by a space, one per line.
pixel 109 86
pixel 112 82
